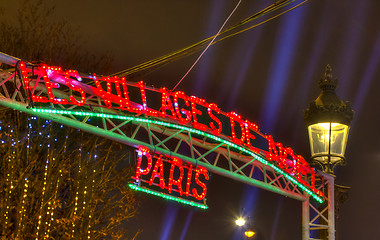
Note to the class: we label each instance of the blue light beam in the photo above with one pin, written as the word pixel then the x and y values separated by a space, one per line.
pixel 283 55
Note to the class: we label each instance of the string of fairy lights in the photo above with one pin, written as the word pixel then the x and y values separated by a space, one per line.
pixel 22 210
pixel 41 213
pixel 76 200
pixel 10 186
pixel 37 185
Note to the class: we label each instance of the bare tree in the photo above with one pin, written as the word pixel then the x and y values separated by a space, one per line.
pixel 57 182
pixel 35 35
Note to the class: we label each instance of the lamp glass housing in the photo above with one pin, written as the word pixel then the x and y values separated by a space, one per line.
pixel 328 139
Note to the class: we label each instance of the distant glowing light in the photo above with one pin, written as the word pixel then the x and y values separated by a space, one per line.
pixel 249 233
pixel 240 222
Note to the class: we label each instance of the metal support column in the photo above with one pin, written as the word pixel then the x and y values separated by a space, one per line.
pixel 331 213
pixel 320 219
pixel 305 219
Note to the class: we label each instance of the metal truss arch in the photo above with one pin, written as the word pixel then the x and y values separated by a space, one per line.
pixel 216 154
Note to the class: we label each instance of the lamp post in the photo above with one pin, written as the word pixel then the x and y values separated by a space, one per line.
pixel 328 122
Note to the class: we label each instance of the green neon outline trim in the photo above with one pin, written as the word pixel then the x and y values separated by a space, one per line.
pixel 167 196
pixel 192 130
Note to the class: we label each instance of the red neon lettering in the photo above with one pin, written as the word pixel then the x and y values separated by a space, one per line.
pixel 143 152
pixel 49 86
pixel 302 169
pixel 74 88
pixel 282 160
pixel 121 102
pixel 272 152
pixel 124 102
pixel 158 171
pixel 194 101
pixel 166 104
pixel 312 181
pixel 188 181
pixel 176 163
pixel 25 77
pixel 141 85
pixel 181 111
pixel 215 108
pixel 177 170
pixel 145 109
pixel 248 135
pixel 199 171
pixel 236 118
pixel 103 94
pixel 290 165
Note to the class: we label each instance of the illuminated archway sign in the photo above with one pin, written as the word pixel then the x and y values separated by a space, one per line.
pixel 138 102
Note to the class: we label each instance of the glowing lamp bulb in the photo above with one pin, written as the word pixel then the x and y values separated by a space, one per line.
pixel 249 233
pixel 240 222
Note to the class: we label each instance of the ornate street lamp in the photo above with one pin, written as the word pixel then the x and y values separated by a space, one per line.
pixel 328 121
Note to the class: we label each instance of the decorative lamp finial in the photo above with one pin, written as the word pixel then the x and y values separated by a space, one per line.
pixel 327 83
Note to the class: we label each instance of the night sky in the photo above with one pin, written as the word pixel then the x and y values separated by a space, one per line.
pixel 268 75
